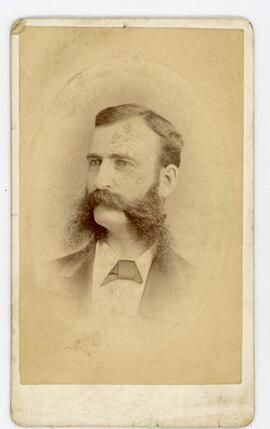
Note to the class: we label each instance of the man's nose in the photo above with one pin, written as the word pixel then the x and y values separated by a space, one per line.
pixel 104 177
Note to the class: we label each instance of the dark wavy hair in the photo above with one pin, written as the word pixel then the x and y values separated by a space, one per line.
pixel 171 140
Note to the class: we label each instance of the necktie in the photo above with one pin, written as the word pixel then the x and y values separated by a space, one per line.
pixel 124 269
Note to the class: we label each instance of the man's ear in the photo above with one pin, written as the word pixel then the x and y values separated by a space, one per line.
pixel 167 180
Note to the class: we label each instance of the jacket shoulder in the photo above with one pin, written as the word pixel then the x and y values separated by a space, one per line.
pixel 71 261
pixel 70 257
pixel 180 265
pixel 181 262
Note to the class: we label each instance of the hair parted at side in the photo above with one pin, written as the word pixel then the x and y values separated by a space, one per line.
pixel 171 140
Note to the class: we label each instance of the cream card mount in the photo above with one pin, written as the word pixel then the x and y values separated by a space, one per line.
pixel 132 139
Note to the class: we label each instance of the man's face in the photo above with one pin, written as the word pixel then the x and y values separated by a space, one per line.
pixel 124 159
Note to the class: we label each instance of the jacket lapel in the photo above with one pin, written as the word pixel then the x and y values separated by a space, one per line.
pixel 164 294
pixel 76 274
pixel 156 289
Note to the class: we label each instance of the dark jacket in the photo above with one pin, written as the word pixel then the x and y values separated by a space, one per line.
pixel 172 294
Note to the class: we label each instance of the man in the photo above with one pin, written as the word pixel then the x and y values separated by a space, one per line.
pixel 127 267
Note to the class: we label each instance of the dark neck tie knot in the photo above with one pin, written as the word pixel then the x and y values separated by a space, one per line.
pixel 124 269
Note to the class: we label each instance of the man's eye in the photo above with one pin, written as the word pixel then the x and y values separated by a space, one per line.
pixel 94 162
pixel 121 163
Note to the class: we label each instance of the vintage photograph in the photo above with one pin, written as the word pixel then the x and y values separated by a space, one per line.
pixel 131 165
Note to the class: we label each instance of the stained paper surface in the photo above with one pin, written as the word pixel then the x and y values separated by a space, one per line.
pixel 198 75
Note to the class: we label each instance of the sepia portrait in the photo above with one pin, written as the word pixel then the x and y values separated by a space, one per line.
pixel 129 141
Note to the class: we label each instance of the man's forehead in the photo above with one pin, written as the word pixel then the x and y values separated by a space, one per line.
pixel 128 133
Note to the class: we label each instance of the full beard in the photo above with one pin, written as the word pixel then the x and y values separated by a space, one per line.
pixel 146 220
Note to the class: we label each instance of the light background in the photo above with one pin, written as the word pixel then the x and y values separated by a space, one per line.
pixel 259 19
pixel 68 74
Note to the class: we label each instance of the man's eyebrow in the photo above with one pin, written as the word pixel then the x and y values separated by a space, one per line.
pixel 93 155
pixel 113 156
pixel 123 156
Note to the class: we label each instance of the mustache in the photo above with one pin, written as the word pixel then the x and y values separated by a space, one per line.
pixel 106 198
pixel 146 219
pixel 149 208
